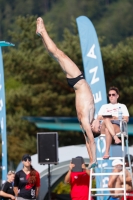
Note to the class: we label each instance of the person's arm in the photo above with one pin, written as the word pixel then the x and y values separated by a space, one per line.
pixel 16 184
pixel 125 113
pixel 37 191
pixel 37 184
pixel 101 112
pixel 4 190
pixel 15 189
pixel 4 194
pixel 125 118
pixel 128 177
pixel 112 179
pixel 67 177
pixel 85 169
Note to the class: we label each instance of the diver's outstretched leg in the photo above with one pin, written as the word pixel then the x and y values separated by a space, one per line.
pixel 90 144
pixel 68 66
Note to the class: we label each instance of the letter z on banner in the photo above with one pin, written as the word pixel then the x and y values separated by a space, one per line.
pixel 94 75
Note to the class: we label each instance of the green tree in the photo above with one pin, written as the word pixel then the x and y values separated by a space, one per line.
pixel 111 18
pixel 116 23
pixel 118 68
pixel 62 12
pixel 10 10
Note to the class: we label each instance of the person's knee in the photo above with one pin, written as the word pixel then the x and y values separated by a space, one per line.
pixel 107 120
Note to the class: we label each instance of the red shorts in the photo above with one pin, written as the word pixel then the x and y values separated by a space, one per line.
pixel 128 197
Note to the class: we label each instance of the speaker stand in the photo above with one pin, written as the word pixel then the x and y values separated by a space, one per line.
pixel 49 176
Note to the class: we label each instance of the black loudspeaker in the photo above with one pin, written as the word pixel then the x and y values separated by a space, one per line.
pixel 47 148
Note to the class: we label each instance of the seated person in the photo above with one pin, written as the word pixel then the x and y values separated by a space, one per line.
pixel 128 197
pixel 116 181
pixel 7 188
pixel 108 126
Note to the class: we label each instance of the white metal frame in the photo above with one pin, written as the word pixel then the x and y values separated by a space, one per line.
pixel 124 137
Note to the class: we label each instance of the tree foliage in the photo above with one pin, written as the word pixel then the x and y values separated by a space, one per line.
pixel 118 68
pixel 116 24
pixel 10 10
pixel 111 18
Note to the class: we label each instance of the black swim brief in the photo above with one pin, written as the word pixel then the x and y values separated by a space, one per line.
pixel 73 81
pixel 117 122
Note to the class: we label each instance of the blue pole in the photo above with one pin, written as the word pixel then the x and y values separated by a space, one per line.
pixel 3 114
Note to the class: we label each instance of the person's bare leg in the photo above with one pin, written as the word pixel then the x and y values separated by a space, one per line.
pixel 110 127
pixel 91 142
pixel 108 143
pixel 88 148
pixel 67 65
pixel 85 111
pixel 91 152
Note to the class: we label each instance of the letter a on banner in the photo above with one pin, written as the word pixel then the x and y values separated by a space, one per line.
pixel 94 74
pixel 3 114
pixel 92 61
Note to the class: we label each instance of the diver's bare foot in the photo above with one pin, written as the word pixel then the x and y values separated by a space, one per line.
pixel 39 26
pixel 117 140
